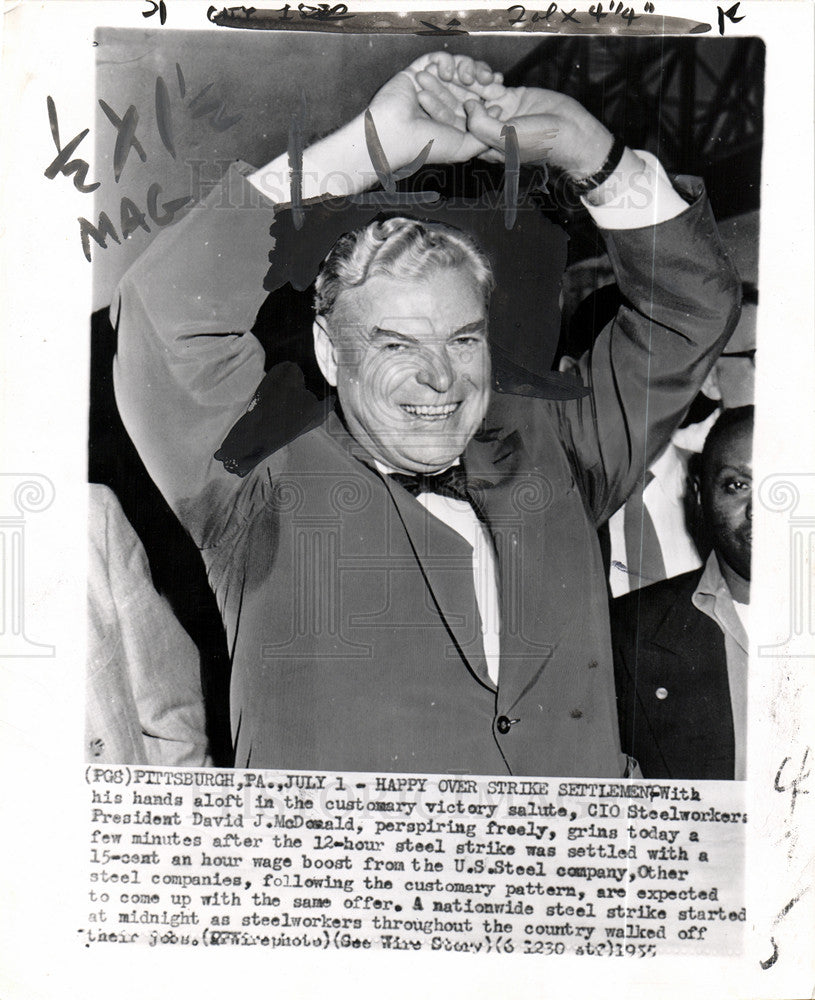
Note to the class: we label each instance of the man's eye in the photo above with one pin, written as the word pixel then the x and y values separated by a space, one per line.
pixel 394 346
pixel 736 486
pixel 467 341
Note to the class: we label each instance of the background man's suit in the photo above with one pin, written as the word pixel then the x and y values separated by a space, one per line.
pixel 144 701
pixel 672 683
pixel 350 612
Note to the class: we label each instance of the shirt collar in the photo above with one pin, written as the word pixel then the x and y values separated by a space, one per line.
pixel 713 598
pixel 692 437
pixel 669 474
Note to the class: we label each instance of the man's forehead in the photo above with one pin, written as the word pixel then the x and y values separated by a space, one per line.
pixel 428 306
pixel 734 449
pixel 735 466
pixel 425 327
pixel 410 328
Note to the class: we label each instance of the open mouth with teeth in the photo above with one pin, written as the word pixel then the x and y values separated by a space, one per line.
pixel 442 412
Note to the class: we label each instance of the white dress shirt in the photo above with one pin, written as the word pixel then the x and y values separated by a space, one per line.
pixel 664 500
pixel 460 516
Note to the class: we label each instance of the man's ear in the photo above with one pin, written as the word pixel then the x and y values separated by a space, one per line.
pixel 324 350
pixel 710 387
pixel 569 366
pixel 696 490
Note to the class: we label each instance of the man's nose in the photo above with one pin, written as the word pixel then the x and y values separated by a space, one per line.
pixel 435 370
pixel 748 513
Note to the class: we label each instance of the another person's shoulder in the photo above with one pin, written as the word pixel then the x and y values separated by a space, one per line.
pixel 516 411
pixel 102 504
pixel 108 527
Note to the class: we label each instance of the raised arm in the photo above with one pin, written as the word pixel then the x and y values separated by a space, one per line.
pixel 681 292
pixel 681 303
pixel 186 368
pixel 407 114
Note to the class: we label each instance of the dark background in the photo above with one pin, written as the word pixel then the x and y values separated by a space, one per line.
pixel 695 103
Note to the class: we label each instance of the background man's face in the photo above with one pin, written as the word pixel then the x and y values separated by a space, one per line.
pixel 413 366
pixel 727 491
pixel 732 379
pixel 736 379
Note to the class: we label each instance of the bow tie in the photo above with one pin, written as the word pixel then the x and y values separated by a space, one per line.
pixel 451 482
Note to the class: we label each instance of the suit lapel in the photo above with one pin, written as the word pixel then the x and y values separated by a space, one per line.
pixel 446 563
pixel 686 632
pixel 690 666
pixel 514 498
pixel 492 464
pixel 444 559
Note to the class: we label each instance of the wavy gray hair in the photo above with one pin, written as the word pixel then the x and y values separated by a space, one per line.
pixel 399 248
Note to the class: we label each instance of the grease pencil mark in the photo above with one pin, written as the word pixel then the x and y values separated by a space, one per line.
pixel 598 19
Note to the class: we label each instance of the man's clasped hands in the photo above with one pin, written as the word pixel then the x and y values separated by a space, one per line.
pixel 462 105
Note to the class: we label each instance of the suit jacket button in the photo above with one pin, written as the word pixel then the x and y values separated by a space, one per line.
pixel 661 693
pixel 502 724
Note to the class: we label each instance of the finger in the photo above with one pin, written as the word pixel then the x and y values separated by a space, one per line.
pixel 421 62
pixel 502 101
pixel 496 111
pixel 492 90
pixel 484 73
pixel 445 65
pixel 485 128
pixel 453 94
pixel 438 110
pixel 489 91
pixel 445 92
pixel 465 68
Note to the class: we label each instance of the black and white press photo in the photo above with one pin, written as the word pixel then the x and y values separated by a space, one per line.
pixel 403 377
pixel 406 506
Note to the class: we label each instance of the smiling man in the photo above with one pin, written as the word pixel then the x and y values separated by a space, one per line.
pixel 401 331
pixel 413 582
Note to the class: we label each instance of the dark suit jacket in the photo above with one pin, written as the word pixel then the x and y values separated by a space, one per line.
pixel 673 695
pixel 350 612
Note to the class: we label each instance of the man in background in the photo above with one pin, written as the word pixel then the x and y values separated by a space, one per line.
pixel 681 646
pixel 656 534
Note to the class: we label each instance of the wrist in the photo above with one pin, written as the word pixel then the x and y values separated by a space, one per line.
pixel 337 165
pixel 595 146
pixel 628 167
pixel 638 194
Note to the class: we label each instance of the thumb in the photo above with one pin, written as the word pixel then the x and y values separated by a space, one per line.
pixel 485 128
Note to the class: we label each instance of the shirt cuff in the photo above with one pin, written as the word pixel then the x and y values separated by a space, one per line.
pixel 640 198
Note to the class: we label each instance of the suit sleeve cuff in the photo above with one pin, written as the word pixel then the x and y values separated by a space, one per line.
pixel 641 195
